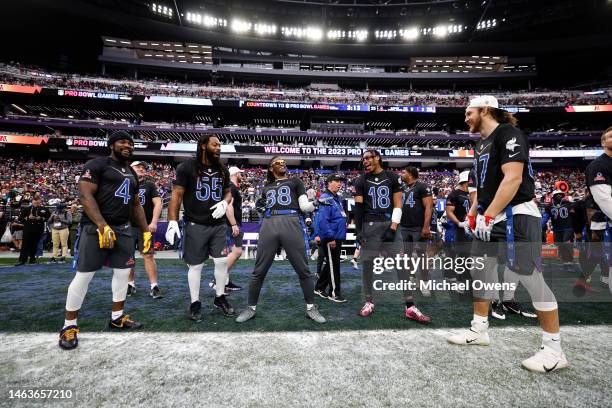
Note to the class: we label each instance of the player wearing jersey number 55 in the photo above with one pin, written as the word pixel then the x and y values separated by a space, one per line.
pixel 505 214
pixel 202 186
pixel 108 191
pixel 282 226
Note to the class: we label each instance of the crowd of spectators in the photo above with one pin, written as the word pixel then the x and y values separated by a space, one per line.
pixel 16 74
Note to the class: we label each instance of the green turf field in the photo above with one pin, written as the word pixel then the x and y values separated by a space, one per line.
pixel 282 359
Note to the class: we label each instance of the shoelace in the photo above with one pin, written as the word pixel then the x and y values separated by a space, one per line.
pixel 124 319
pixel 70 334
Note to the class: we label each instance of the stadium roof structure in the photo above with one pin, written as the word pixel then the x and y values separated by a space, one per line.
pixel 574 35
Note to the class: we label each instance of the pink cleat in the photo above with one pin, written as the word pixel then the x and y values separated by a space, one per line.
pixel 415 314
pixel 367 309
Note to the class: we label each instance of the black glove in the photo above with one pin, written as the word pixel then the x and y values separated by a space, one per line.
pixel 389 235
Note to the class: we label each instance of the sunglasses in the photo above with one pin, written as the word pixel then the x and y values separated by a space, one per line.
pixel 279 162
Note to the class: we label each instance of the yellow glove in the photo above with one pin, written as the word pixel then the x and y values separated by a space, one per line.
pixel 107 238
pixel 146 246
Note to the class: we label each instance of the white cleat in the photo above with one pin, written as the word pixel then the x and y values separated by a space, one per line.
pixel 354 263
pixel 470 337
pixel 545 361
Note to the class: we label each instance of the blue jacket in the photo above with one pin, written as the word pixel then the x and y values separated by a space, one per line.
pixel 330 222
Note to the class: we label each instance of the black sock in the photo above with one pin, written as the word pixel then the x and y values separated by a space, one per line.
pixel 409 304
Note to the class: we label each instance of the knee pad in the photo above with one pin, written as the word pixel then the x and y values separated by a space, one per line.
pixel 545 306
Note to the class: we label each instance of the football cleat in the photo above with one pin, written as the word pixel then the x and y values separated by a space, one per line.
pixel 470 337
pixel 413 313
pixel 354 263
pixel 213 286
pixel 605 280
pixel 195 311
pixel 232 287
pixel 246 314
pixel 337 298
pixel 123 323
pixel 313 313
pixel 512 307
pixel 321 293
pixel 222 304
pixel 131 290
pixel 156 292
pixel 545 361
pixel 367 309
pixel 68 337
pixel 497 310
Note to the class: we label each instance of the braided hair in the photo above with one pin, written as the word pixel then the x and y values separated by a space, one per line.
pixel 200 152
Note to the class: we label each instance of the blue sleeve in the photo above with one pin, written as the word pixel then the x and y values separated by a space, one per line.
pixel 323 222
pixel 545 217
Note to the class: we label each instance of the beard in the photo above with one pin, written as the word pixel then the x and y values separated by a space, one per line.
pixel 119 155
pixel 211 157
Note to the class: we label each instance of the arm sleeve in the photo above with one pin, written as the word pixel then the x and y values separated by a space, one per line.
pixel 305 205
pixel 603 198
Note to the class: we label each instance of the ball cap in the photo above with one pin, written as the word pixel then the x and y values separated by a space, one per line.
pixel 335 177
pixel 558 192
pixel 464 176
pixel 234 170
pixel 484 101
pixel 140 163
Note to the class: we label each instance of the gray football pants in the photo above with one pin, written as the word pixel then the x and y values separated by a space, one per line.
pixel 281 231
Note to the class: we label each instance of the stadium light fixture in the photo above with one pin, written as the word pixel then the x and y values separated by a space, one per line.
pixel 241 26
pixel 440 31
pixel 161 10
pixel 410 33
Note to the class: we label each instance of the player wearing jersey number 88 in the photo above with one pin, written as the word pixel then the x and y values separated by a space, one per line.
pixel 108 192
pixel 202 186
pixel 282 227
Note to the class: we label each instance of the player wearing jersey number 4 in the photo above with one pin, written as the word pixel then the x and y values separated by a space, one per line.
pixel 202 186
pixel 378 212
pixel 505 214
pixel 282 227
pixel 108 191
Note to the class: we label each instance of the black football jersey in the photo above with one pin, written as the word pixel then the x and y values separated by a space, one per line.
pixel 599 171
pixel 560 214
pixel 377 192
pixel 283 194
pixel 117 188
pixel 146 193
pixel 413 210
pixel 598 215
pixel 461 201
pixel 237 204
pixel 506 144
pixel 201 193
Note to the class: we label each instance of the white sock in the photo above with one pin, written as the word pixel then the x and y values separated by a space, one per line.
pixel 193 277
pixel 69 323
pixel 480 323
pixel 154 284
pixel 220 275
pixel 132 283
pixel 309 306
pixel 117 314
pixel 253 307
pixel 552 340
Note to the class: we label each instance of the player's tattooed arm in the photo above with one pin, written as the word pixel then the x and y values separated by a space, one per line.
pixel 450 213
pixel 175 202
pixel 513 176
pixel 87 192
pixel 229 213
